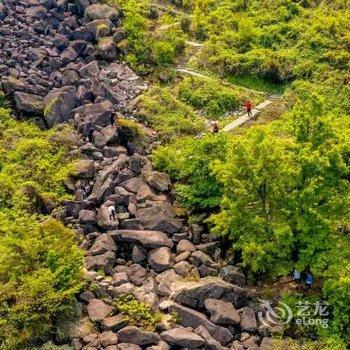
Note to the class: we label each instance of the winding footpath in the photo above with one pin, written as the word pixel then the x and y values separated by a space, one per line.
pixel 245 117
pixel 60 63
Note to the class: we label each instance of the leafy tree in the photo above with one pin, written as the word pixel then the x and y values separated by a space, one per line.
pixel 40 273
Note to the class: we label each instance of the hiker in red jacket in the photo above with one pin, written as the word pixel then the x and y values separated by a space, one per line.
pixel 249 107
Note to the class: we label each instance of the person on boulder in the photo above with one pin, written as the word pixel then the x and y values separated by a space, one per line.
pixel 113 118
pixel 89 131
pixel 249 107
pixel 112 212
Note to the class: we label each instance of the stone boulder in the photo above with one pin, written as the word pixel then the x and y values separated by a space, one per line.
pixel 222 312
pixel 248 319
pixel 29 103
pixel 101 11
pixel 108 338
pixel 233 274
pixel 97 113
pixel 210 342
pixel 183 337
pixel 104 220
pixel 194 319
pixel 114 323
pixel 194 293
pixel 148 239
pixel 138 336
pixel 100 262
pixel 157 180
pixel 98 310
pixel 160 217
pixel 59 106
pixel 160 259
pixel 85 168
pixel 104 243
pixel 107 49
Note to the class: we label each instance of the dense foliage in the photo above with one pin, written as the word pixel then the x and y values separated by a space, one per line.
pixel 40 264
pixel 147 48
pixel 278 40
pixel 165 113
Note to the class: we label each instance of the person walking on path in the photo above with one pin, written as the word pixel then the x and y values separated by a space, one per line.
pixel 214 127
pixel 249 107
pixel 309 281
pixel 296 277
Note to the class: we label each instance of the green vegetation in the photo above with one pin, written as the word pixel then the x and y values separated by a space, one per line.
pixel 278 40
pixel 165 113
pixel 40 264
pixel 137 313
pixel 214 99
pixel 33 164
pixel 147 48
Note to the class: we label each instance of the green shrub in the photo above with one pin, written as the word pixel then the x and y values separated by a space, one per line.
pixel 188 162
pixel 40 273
pixel 167 115
pixel 209 95
pixel 137 313
pixel 33 163
pixel 40 263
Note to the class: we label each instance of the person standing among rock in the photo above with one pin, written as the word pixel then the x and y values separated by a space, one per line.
pixel 112 212
pixel 113 118
pixel 89 131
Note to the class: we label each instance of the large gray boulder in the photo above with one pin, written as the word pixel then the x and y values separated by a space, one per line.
pixel 101 11
pixel 248 319
pixel 100 262
pixel 107 50
pixel 160 259
pixel 194 319
pixel 104 243
pixel 133 185
pixel 182 337
pixel 194 294
pixel 233 274
pixel 210 342
pixel 97 113
pixel 85 168
pixel 135 335
pixel 59 106
pixel 157 180
pixel 29 103
pixel 222 312
pixel 98 310
pixel 104 220
pixel 148 239
pixel 160 217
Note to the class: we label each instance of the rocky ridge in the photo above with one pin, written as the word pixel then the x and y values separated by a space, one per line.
pixel 60 62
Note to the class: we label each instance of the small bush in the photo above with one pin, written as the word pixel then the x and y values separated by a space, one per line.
pixel 167 115
pixel 209 95
pixel 137 313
